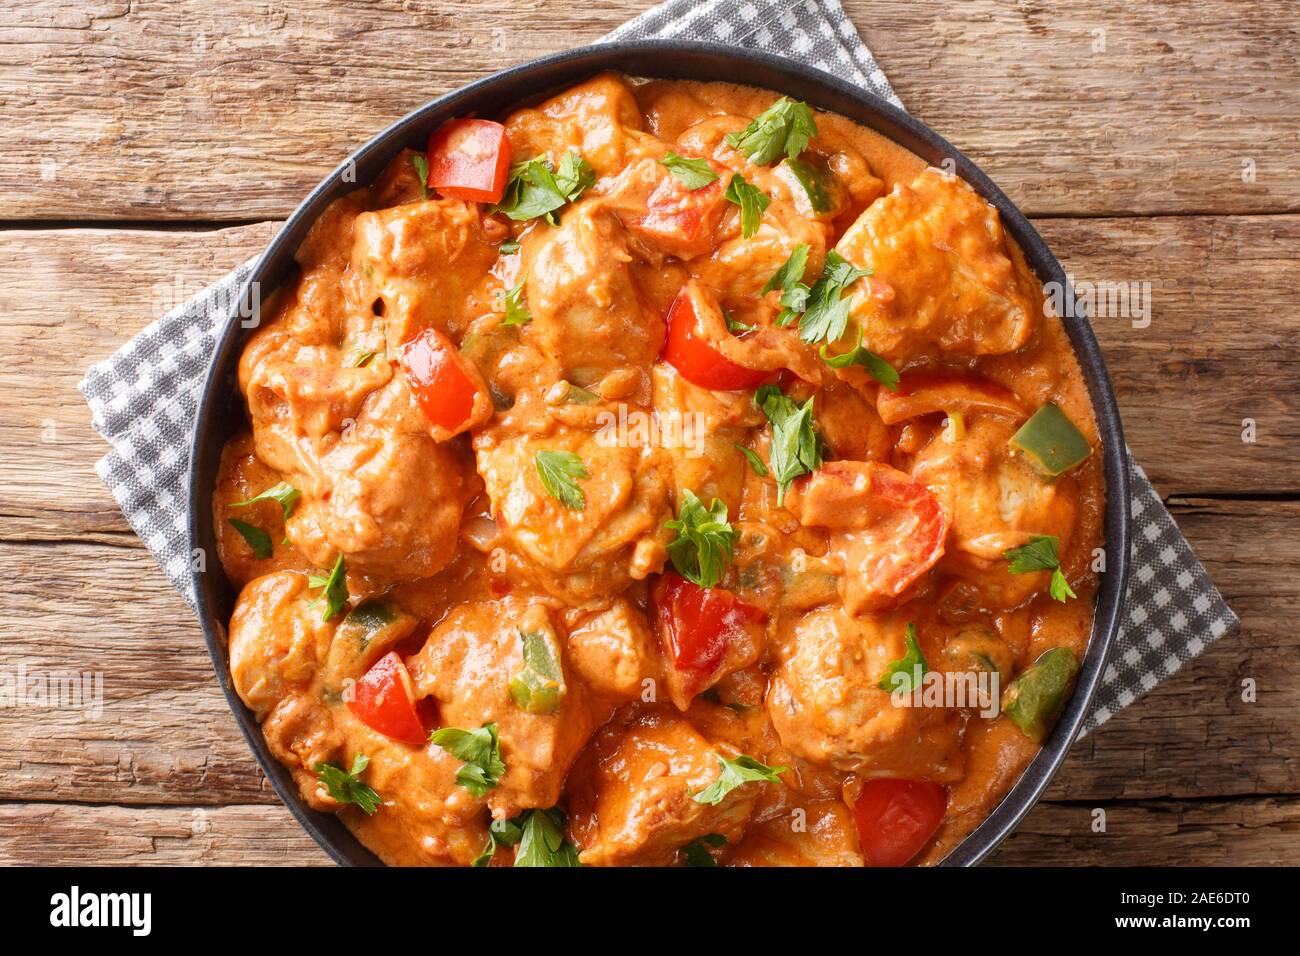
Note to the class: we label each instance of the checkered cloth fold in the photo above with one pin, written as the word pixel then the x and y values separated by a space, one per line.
pixel 144 397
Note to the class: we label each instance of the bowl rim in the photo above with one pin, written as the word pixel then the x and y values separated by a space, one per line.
pixel 669 59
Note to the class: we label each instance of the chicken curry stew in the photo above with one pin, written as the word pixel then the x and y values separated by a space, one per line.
pixel 669 474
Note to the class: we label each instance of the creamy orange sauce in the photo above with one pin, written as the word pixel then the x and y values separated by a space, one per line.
pixel 456 532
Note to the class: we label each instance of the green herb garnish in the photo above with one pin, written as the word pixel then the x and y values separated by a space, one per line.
pixel 257 539
pixel 481 751
pixel 485 855
pixel 755 462
pixel 789 279
pixel 535 188
pixel 344 786
pixel 516 309
pixel 785 127
pixel 507 832
pixel 336 588
pixel 284 493
pixel 791 271
pixel 736 773
pixel 691 173
pixel 880 370
pixel 696 853
pixel 751 200
pixel 705 542
pixel 827 312
pixel 901 674
pixel 542 841
pixel 422 170
pixel 558 469
pixel 500 833
pixel 735 326
pixel 1041 554
pixel 796 447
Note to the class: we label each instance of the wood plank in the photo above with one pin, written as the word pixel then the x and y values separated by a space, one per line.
pixel 190 110
pixel 165 736
pixel 69 298
pixel 1247 832
pixel 1195 735
pixel 34 834
pixel 1221 344
pixel 1251 831
pixel 161 732
pixel 1211 356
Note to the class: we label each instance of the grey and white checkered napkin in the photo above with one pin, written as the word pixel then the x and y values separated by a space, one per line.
pixel 143 398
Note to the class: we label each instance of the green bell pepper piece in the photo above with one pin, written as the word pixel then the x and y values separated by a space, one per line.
pixel 539 686
pixel 817 180
pixel 366 620
pixel 1051 442
pixel 1036 698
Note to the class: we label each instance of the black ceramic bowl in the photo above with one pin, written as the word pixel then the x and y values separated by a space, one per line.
pixel 495 95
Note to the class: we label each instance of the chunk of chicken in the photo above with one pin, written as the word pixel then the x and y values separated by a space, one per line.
pixel 819 834
pixel 350 437
pixel 599 119
pixel 301 734
pixel 700 430
pixel 467 665
pixel 277 641
pixel 708 137
pixel 630 800
pixel 588 316
pixel 942 277
pixel 826 706
pixel 616 536
pixel 386 495
pixel 996 503
pixel 417 265
pixel 287 665
pixel 399 183
pixel 613 651
pixel 426 817
pixel 241 477
pixel 850 424
pixel 738 268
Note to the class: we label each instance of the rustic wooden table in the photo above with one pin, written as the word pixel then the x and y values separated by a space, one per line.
pixel 147 148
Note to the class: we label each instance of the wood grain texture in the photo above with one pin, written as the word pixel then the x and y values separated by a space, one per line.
pixel 62 834
pixel 1213 354
pixel 1252 831
pixel 68 298
pixel 1220 347
pixel 166 737
pixel 1255 831
pixel 192 109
